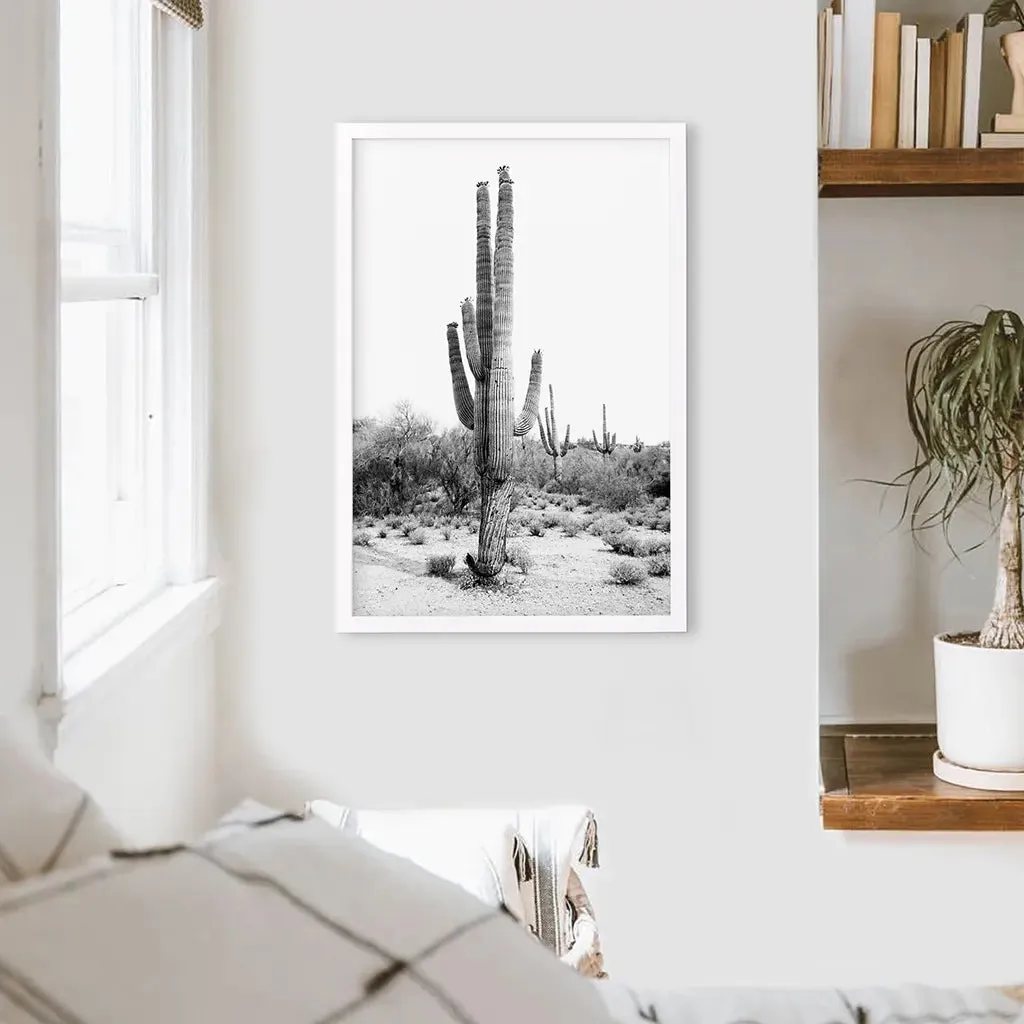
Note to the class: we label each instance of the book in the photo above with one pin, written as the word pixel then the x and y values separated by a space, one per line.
pixel 937 93
pixel 1002 140
pixel 908 87
pixel 972 28
pixel 835 106
pixel 857 72
pixel 823 97
pixel 951 124
pixel 885 81
pixel 922 113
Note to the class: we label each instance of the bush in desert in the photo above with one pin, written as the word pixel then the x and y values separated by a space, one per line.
pixel 427 519
pixel 536 528
pixel 408 526
pixel 628 573
pixel 418 536
pixel 660 565
pixel 440 565
pixel 519 556
pixel 446 532
pixel 608 525
pixel 551 518
pixel 627 543
pixel 362 539
pixel 382 533
pixel 571 526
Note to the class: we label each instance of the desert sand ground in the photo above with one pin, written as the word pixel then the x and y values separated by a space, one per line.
pixel 569 577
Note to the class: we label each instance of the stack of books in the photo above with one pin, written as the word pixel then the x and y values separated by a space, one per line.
pixel 882 86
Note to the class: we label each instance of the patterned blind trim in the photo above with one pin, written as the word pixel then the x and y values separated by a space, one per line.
pixel 190 11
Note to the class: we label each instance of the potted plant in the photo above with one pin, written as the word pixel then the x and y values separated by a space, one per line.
pixel 965 404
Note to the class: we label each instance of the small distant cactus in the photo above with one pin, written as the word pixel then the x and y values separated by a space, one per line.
pixel 549 437
pixel 638 445
pixel 607 445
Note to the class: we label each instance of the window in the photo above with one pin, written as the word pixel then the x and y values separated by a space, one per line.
pixel 126 323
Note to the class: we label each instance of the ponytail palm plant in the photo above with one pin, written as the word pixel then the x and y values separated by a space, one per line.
pixel 965 403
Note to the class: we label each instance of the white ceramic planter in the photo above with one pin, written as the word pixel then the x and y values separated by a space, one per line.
pixel 979 706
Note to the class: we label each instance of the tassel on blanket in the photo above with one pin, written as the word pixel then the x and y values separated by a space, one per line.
pixel 588 855
pixel 522 860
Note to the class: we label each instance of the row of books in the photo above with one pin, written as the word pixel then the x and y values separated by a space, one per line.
pixel 881 86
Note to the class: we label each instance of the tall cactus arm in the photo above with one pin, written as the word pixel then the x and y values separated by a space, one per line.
pixel 502 326
pixel 472 341
pixel 544 433
pixel 484 283
pixel 597 447
pixel 531 403
pixel 565 443
pixel 460 386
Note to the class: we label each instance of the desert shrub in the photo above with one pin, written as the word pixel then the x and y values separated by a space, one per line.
pixel 382 533
pixel 418 537
pixel 447 533
pixel 362 538
pixel 571 526
pixel 628 573
pixel 394 522
pixel 518 555
pixel 428 519
pixel 570 501
pixel 440 565
pixel 608 525
pixel 408 527
pixel 551 518
pixel 658 546
pixel 665 522
pixel 474 525
pixel 660 565
pixel 536 528
pixel 626 543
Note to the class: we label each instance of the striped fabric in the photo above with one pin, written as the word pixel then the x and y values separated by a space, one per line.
pixel 189 11
pixel 288 920
pixel 558 838
pixel 47 821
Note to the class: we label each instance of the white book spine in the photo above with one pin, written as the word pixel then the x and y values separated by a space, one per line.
pixel 974 29
pixel 908 92
pixel 835 124
pixel 924 78
pixel 858 72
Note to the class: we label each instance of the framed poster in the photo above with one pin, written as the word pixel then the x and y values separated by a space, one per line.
pixel 511 377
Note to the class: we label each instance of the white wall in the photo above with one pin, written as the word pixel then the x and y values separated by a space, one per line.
pixel 890 271
pixel 146 750
pixel 697 751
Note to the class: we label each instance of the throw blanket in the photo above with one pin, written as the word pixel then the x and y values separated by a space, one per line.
pixel 908 1004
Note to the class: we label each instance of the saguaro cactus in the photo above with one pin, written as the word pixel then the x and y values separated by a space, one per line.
pixel 549 437
pixel 487 330
pixel 638 445
pixel 607 445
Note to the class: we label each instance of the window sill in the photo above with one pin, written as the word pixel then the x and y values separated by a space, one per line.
pixel 174 618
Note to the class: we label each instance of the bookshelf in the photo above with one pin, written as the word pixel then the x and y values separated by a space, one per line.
pixel 853 173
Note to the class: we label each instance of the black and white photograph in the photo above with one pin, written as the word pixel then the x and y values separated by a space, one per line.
pixel 511 377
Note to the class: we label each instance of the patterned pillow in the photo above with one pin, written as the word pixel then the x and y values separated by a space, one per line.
pixel 46 820
pixel 291 920
pixel 478 850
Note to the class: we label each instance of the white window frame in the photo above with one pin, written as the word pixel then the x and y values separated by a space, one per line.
pixel 90 644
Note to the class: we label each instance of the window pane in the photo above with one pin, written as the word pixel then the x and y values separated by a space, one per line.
pixel 98 96
pixel 101 413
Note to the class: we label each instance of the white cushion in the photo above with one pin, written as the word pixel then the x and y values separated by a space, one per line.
pixel 46 820
pixel 907 1004
pixel 475 849
pixel 289 921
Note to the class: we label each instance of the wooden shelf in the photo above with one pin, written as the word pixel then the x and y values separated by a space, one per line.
pixel 920 172
pixel 879 778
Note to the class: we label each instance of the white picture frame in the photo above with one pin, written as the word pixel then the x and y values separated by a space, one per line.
pixel 348 138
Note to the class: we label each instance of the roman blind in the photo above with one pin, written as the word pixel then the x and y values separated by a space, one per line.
pixel 190 11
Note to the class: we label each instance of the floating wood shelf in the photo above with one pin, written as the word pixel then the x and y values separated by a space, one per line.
pixel 879 778
pixel 920 172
